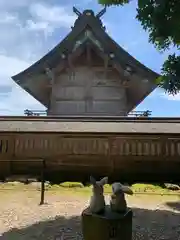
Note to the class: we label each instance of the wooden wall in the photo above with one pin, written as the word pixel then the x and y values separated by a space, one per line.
pixel 52 145
pixel 88 91
pixel 91 153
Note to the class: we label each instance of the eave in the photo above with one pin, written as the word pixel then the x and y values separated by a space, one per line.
pixel 54 57
pixel 65 46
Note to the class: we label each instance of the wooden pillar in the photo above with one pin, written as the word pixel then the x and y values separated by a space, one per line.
pixel 42 182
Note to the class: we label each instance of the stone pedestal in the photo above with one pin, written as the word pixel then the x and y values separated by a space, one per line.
pixel 107 226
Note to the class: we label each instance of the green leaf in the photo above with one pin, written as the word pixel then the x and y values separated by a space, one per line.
pixel 158 80
pixel 113 2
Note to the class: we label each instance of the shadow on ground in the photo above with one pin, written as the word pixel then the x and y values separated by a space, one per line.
pixel 147 224
pixel 174 205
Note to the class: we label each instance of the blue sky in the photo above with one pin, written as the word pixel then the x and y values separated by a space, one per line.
pixel 30 28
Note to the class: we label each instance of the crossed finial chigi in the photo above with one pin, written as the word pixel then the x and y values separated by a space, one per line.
pixel 117 201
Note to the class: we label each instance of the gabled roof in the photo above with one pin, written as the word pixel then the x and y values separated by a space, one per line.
pixel 85 20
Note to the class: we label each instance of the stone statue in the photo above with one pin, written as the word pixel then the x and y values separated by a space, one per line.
pixel 107 222
pixel 97 201
pixel 118 201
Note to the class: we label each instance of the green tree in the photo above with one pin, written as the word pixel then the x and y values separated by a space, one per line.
pixel 161 18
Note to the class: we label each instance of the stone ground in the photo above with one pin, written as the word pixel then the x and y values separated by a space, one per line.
pixel 155 217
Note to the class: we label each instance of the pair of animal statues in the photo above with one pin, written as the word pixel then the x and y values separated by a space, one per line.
pixel 117 202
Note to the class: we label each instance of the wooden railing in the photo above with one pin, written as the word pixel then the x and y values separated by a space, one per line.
pixel 146 113
pixel 28 112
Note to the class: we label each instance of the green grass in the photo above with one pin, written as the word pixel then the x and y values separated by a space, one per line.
pixel 76 187
pixel 142 187
pixel 137 188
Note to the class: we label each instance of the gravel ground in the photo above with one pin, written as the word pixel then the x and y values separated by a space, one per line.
pixel 155 217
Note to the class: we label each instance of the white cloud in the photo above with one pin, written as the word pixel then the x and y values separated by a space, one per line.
pixel 52 14
pixel 46 17
pixel 171 97
pixel 26 27
pixel 9 5
pixel 11 65
pixel 17 101
pixel 13 100
pixel 32 25
pixel 6 17
pixel 39 26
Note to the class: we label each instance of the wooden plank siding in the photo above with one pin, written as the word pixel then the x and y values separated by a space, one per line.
pixel 113 154
pixel 87 91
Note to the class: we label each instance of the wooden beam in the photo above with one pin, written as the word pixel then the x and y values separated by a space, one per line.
pixel 106 63
pixel 89 55
pixel 51 77
pixel 70 66
pixel 125 80
pixel 67 61
pixel 107 59
pixel 101 69
pixel 70 61
pixel 42 182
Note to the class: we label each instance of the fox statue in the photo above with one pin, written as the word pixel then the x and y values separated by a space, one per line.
pixel 118 201
pixel 97 201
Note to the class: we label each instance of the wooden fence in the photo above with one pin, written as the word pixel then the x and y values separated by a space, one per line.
pixel 78 155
